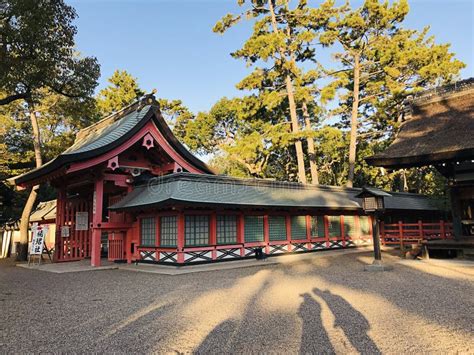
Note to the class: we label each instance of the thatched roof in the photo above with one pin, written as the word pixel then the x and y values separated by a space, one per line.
pixel 440 129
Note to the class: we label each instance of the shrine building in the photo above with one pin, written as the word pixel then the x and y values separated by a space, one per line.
pixel 129 191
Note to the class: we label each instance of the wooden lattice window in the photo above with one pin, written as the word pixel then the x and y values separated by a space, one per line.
pixel 317 226
pixel 168 231
pixel 277 227
pixel 226 229
pixel 148 231
pixel 334 226
pixel 196 230
pixel 253 228
pixel 349 226
pixel 364 223
pixel 298 227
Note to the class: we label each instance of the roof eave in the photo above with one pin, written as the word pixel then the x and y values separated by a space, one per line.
pixel 420 160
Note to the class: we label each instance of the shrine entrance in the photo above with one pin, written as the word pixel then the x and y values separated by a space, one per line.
pixel 73 233
pixel 116 245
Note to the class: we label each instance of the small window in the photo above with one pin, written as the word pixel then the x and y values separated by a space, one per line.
pixel 298 227
pixel 253 228
pixel 226 229
pixel 148 231
pixel 277 227
pixel 196 230
pixel 334 226
pixel 349 226
pixel 364 225
pixel 168 231
pixel 317 226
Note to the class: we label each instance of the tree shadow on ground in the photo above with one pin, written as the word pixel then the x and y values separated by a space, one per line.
pixel 351 321
pixel 314 338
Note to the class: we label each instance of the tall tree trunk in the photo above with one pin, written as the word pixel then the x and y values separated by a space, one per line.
pixel 311 150
pixel 404 182
pixel 25 215
pixel 354 122
pixel 291 101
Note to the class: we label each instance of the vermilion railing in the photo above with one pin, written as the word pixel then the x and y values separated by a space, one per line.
pixel 412 233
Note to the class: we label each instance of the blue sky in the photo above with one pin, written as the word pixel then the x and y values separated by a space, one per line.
pixel 169 45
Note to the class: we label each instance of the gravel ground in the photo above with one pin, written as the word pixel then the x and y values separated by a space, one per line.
pixel 324 305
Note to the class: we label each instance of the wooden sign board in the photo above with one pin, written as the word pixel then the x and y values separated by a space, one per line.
pixel 37 242
pixel 65 232
pixel 82 221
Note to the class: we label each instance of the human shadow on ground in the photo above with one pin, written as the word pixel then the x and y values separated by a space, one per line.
pixel 314 338
pixel 218 339
pixel 354 325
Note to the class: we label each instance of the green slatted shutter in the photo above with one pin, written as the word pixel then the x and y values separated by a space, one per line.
pixel 277 227
pixel 298 227
pixel 148 232
pixel 317 226
pixel 349 226
pixel 334 226
pixel 196 230
pixel 226 229
pixel 253 228
pixel 168 231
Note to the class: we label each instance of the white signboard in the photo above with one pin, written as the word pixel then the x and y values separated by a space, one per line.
pixel 37 242
pixel 65 231
pixel 82 221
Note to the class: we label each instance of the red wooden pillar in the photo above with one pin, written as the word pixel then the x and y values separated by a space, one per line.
pixel 266 233
pixel 128 246
pixel 288 231
pixel 358 230
pixel 400 234
pixel 180 237
pixel 420 228
pixel 97 221
pixel 326 230
pixel 308 231
pixel 241 232
pixel 442 230
pixel 60 207
pixel 343 231
pixel 213 233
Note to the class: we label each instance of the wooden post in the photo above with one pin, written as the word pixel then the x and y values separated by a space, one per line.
pixel 241 233
pixel 308 232
pixel 97 221
pixel 266 233
pixel 342 229
pixel 288 230
pixel 181 241
pixel 213 233
pixel 326 230
pixel 442 229
pixel 420 229
pixel 357 226
pixel 60 205
pixel 400 235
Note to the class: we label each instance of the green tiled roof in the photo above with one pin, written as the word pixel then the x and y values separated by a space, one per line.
pixel 222 190
pixel 109 133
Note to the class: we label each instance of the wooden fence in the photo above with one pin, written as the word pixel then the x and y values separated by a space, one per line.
pixel 413 233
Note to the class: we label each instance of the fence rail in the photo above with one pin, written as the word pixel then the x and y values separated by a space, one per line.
pixel 413 233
